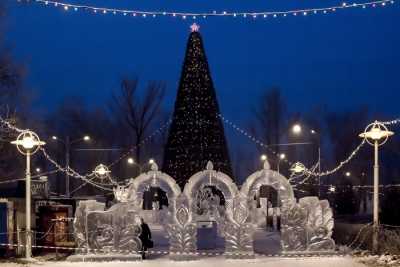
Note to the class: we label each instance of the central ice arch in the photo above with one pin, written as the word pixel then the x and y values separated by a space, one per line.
pixel 211 178
pixel 212 197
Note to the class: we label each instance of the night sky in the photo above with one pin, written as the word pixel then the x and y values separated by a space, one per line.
pixel 340 60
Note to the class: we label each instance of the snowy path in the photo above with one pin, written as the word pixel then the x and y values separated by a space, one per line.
pixel 215 262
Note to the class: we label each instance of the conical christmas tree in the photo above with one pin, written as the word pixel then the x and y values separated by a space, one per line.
pixel 196 135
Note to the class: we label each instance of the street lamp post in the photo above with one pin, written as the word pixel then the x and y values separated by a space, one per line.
pixel 131 161
pixel 67 147
pixel 297 129
pixel 376 134
pixel 28 143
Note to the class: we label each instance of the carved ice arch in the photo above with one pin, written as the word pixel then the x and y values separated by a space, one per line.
pixel 266 176
pixel 155 178
pixel 211 177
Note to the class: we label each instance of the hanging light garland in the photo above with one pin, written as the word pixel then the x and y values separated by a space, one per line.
pixel 203 15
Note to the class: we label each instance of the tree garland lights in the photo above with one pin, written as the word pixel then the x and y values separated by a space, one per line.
pixel 194 15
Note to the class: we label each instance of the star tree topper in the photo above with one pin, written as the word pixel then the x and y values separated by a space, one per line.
pixel 195 27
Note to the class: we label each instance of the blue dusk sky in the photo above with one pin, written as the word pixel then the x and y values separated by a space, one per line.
pixel 341 60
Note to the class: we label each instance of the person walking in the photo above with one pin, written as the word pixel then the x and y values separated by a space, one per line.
pixel 145 237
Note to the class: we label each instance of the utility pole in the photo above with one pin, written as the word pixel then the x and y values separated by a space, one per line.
pixel 67 148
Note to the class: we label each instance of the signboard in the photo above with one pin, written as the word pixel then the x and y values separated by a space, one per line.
pixel 39 188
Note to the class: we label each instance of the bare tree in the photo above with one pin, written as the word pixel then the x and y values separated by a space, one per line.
pixel 12 104
pixel 270 116
pixel 270 121
pixel 138 112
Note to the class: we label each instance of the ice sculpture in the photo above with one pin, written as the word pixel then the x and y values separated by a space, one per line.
pixel 182 232
pixel 80 221
pixel 306 225
pixel 319 224
pixel 112 232
pixel 237 232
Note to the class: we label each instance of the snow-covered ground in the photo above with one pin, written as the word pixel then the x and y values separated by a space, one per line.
pixel 334 261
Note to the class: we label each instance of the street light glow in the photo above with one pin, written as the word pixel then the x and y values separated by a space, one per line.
pixel 298 168
pixel 296 128
pixel 28 140
pixel 263 157
pixel 38 170
pixel 54 137
pixel 376 133
pixel 348 174
pixel 151 161
pixel 101 171
pixel 282 156
pixel 86 138
pixel 130 161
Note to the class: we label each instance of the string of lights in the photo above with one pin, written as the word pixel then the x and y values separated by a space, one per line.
pixel 73 173
pixel 391 122
pixel 144 141
pixel 294 176
pixel 203 15
pixel 306 171
pixel 8 124
pixel 341 164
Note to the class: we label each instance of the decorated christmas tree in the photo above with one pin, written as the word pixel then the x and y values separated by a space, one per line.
pixel 196 135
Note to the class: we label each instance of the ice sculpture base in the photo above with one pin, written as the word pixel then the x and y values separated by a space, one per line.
pixel 309 253
pixel 104 257
pixel 239 256
pixel 183 257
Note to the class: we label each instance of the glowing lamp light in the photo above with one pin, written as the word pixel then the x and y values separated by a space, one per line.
pixel 263 157
pixel 332 189
pixel 151 161
pixel 28 141
pixel 101 171
pixel 282 156
pixel 348 174
pixel 86 138
pixel 38 170
pixel 376 132
pixel 298 168
pixel 130 161
pixel 296 128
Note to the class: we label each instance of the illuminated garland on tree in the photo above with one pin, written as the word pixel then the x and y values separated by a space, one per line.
pixel 203 15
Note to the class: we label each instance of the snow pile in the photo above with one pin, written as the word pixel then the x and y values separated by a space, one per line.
pixel 382 260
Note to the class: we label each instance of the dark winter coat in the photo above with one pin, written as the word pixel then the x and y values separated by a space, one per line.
pixel 145 235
